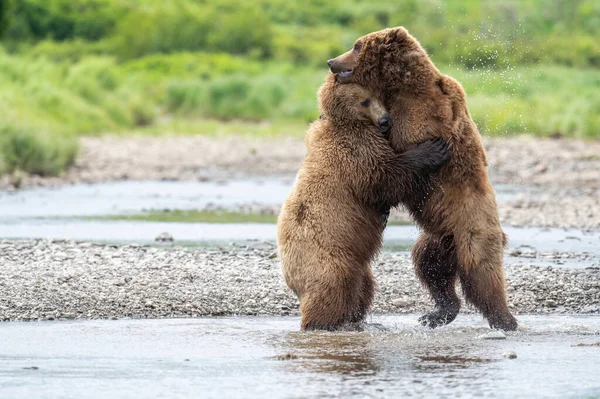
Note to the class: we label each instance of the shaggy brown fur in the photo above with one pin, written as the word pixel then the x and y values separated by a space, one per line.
pixel 462 237
pixel 330 227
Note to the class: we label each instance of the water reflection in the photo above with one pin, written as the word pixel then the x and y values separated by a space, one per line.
pixel 330 352
pixel 408 353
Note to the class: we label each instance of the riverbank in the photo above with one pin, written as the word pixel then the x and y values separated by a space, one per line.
pixel 555 182
pixel 515 160
pixel 47 280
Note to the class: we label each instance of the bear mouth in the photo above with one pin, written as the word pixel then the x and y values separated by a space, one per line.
pixel 344 74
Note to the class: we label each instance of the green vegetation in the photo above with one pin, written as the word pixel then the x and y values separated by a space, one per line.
pixel 81 67
pixel 179 216
pixel 212 216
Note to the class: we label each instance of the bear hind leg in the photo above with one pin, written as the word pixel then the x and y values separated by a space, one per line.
pixel 483 286
pixel 436 266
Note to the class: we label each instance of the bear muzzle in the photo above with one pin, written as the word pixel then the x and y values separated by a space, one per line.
pixel 385 123
pixel 339 70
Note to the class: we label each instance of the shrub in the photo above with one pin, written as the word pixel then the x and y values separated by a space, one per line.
pixel 184 26
pixel 35 153
pixel 5 9
pixel 63 19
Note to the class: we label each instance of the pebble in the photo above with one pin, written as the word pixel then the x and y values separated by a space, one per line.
pixel 399 303
pixel 164 237
pixel 492 335
pixel 287 356
pixel 550 303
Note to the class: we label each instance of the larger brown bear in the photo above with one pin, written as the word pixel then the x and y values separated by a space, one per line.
pixel 462 237
pixel 330 226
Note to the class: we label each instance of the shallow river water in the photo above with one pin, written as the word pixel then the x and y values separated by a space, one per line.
pixel 64 212
pixel 267 357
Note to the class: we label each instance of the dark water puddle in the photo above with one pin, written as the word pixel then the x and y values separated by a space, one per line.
pixel 257 357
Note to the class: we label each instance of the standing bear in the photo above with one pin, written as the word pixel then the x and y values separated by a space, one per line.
pixel 330 227
pixel 462 237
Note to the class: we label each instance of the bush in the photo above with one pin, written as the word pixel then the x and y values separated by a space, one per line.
pixel 70 51
pixel 241 29
pixel 62 19
pixel 168 28
pixel 183 26
pixel 5 9
pixel 35 153
pixel 226 98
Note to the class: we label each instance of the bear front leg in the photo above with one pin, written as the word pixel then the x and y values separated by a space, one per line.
pixel 408 181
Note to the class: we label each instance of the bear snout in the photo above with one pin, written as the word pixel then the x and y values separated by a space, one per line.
pixel 385 123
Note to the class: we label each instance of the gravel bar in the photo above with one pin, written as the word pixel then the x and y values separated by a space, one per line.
pixel 513 160
pixel 55 279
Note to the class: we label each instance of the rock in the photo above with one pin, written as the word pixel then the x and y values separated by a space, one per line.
pixel 164 237
pixel 287 356
pixel 510 355
pixel 590 309
pixel 524 252
pixel 399 303
pixel 549 303
pixel 492 335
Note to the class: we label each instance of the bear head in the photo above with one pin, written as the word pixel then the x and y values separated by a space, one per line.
pixel 389 60
pixel 342 103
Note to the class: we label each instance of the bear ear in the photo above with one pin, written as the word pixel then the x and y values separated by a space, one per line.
pixel 396 35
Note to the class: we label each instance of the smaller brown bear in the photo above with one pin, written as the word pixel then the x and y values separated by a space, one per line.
pixel 330 227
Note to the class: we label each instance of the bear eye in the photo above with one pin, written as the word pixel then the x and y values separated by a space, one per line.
pixel 365 103
pixel 357 47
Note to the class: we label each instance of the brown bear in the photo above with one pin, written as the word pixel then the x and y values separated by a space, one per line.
pixel 462 237
pixel 330 227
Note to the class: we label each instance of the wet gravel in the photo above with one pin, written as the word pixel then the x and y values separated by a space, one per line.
pixel 43 280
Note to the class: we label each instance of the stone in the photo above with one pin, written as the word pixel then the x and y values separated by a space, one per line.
pixel 287 356
pixel 492 335
pixel 550 303
pixel 164 237
pixel 510 355
pixel 399 303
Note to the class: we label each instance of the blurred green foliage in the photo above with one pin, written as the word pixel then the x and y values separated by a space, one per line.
pixel 5 8
pixel 39 153
pixel 472 33
pixel 72 67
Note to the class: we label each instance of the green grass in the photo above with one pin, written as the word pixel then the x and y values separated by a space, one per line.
pixel 81 67
pixel 180 216
pixel 206 216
